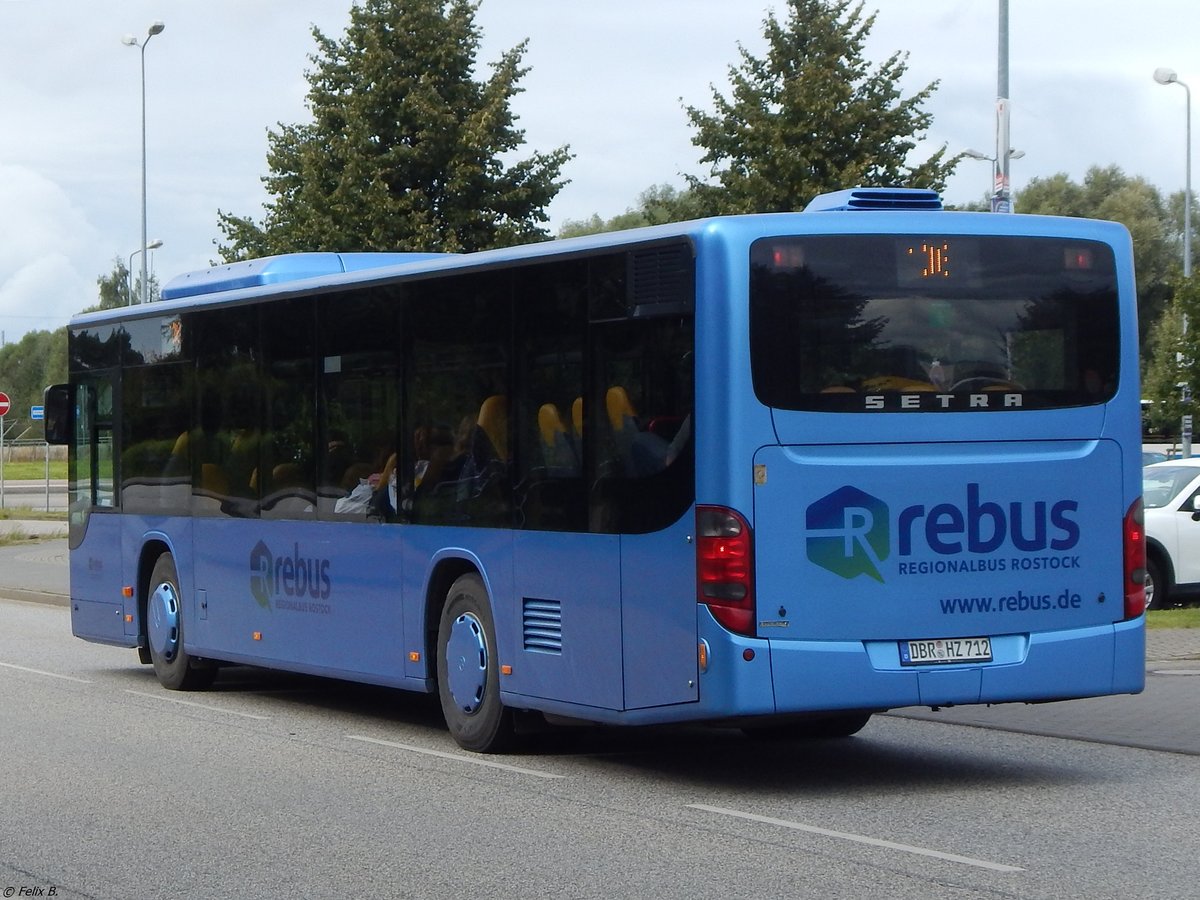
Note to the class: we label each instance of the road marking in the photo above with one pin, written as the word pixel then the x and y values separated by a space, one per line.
pixel 169 699
pixel 457 757
pixel 47 674
pixel 859 839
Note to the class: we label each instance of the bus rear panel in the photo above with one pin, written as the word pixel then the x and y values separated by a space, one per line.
pixel 943 456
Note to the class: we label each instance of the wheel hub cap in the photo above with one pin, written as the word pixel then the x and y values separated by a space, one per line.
pixel 467 662
pixel 163 626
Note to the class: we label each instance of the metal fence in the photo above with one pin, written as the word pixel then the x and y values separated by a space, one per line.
pixel 32 451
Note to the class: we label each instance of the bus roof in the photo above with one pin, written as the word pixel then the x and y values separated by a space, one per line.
pixel 279 269
pixel 856 210
pixel 272 270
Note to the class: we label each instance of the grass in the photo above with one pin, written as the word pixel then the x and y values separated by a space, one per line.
pixel 10 536
pixel 9 513
pixel 34 471
pixel 1188 617
pixel 11 533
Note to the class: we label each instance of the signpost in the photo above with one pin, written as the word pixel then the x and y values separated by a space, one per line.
pixel 38 414
pixel 5 404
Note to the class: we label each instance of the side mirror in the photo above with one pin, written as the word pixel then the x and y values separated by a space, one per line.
pixel 58 414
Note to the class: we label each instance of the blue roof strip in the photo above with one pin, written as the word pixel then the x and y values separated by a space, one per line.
pixel 280 269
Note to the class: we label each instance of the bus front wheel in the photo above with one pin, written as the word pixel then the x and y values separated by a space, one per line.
pixel 469 672
pixel 176 669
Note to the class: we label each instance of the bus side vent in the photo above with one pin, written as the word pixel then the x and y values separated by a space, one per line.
pixel 661 280
pixel 875 198
pixel 542 625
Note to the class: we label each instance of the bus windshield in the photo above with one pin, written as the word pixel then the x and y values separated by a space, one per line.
pixel 932 323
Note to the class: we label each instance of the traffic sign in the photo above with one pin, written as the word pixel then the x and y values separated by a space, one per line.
pixel 37 413
pixel 5 403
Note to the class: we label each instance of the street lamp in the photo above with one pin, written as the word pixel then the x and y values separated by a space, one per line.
pixel 976 154
pixel 1169 76
pixel 1164 75
pixel 983 157
pixel 153 245
pixel 130 41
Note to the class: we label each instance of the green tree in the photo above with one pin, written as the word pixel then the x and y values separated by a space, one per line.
pixel 405 150
pixel 812 116
pixel 1108 193
pixel 38 359
pixel 657 205
pixel 1175 218
pixel 114 288
pixel 1174 360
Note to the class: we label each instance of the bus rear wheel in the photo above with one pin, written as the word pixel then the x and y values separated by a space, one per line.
pixel 469 672
pixel 176 669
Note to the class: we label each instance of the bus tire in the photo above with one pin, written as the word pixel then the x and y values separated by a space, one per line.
pixel 175 668
pixel 468 671
pixel 839 726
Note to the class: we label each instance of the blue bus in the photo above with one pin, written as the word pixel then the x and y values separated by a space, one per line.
pixel 778 471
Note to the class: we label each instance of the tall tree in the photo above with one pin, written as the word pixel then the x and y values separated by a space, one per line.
pixel 405 150
pixel 812 116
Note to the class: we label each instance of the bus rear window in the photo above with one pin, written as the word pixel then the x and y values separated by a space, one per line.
pixel 933 323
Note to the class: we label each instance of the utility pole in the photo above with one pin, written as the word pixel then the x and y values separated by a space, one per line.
pixel 1002 196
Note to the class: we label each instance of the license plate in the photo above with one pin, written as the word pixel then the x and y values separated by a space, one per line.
pixel 945 650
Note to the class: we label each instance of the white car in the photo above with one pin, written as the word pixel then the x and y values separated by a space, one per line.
pixel 1171 493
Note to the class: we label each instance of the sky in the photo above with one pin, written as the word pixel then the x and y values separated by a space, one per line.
pixel 610 79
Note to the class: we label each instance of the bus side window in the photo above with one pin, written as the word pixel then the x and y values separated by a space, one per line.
pixel 358 399
pixel 286 467
pixel 223 445
pixel 154 461
pixel 644 470
pixel 457 381
pixel 551 493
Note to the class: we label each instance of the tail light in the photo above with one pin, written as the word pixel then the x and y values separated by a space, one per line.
pixel 1135 561
pixel 725 567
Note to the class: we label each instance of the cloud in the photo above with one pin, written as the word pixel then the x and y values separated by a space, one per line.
pixel 44 239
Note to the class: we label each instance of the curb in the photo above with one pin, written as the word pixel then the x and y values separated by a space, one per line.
pixel 43 597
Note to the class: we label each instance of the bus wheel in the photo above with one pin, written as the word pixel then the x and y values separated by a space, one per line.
pixel 809 729
pixel 468 671
pixel 175 668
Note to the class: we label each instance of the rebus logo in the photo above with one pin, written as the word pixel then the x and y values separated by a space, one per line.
pixel 291 575
pixel 848 533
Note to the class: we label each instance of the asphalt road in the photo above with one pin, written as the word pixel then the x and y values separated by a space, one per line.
pixel 275 785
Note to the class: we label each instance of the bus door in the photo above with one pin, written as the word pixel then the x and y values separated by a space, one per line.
pixel 97 611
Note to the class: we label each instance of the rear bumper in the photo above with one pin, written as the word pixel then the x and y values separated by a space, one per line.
pixel 805 676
